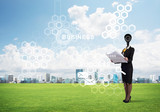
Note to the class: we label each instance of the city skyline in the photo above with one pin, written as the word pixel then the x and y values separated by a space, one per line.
pixel 96 76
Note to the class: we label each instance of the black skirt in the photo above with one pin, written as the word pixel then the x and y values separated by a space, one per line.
pixel 128 69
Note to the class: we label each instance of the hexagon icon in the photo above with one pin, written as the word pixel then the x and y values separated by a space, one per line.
pixel 94 89
pixel 116 28
pixel 59 25
pixel 62 18
pixel 108 28
pixel 120 21
pixel 128 8
pixel 54 31
pixel 47 31
pixel 117 14
pixel 132 28
pixel 82 83
pixel 33 44
pixel 105 35
pixel 112 21
pixel 124 14
pixel 55 18
pixel 113 34
pixel 24 44
pixel 102 89
pixel 120 7
pixel 51 24
pixel 124 28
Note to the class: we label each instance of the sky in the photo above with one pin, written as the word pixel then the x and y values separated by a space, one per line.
pixel 26 27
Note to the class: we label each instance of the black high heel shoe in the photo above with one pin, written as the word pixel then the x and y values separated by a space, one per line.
pixel 128 100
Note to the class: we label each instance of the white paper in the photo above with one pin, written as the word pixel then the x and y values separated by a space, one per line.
pixel 116 57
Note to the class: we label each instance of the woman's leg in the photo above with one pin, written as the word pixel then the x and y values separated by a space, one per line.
pixel 129 89
pixel 126 89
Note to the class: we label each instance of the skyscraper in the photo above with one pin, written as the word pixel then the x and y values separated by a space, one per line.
pixel 2 80
pixel 96 75
pixel 47 77
pixel 115 78
pixel 77 71
pixel 53 79
pixel 6 78
pixel 10 78
pixel 59 80
pixel 152 77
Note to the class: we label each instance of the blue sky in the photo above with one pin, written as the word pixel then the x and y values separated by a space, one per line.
pixel 25 20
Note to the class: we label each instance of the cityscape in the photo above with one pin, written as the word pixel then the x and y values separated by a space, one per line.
pixel 96 76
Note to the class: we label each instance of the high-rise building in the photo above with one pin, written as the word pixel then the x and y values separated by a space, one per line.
pixel 109 76
pixel 96 75
pixel 115 78
pixel 15 80
pixel 140 80
pixel 59 80
pixel 34 80
pixel 77 71
pixel 6 78
pixel 47 77
pixel 2 80
pixel 144 80
pixel 152 77
pixel 53 79
pixel 27 80
pixel 10 78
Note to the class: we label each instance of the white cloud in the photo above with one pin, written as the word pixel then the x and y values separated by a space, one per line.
pixel 10 61
pixel 158 37
pixel 114 4
pixel 143 35
pixel 93 24
pixel 131 2
pixel 146 53
pixel 147 36
pixel 135 1
pixel 146 57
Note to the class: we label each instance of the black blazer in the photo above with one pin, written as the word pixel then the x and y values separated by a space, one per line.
pixel 129 54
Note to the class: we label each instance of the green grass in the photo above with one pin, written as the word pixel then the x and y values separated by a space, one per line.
pixel 66 97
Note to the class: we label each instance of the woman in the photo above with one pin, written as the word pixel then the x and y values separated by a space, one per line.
pixel 127 68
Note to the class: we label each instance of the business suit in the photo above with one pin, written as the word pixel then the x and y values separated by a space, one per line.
pixel 127 67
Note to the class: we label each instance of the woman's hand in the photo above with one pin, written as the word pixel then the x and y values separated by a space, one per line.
pixel 126 58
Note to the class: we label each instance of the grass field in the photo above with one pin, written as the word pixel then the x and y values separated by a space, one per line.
pixel 66 97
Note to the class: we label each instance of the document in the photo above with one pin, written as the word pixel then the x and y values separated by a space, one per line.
pixel 116 57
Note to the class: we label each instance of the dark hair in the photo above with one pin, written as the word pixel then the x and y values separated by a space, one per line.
pixel 128 37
